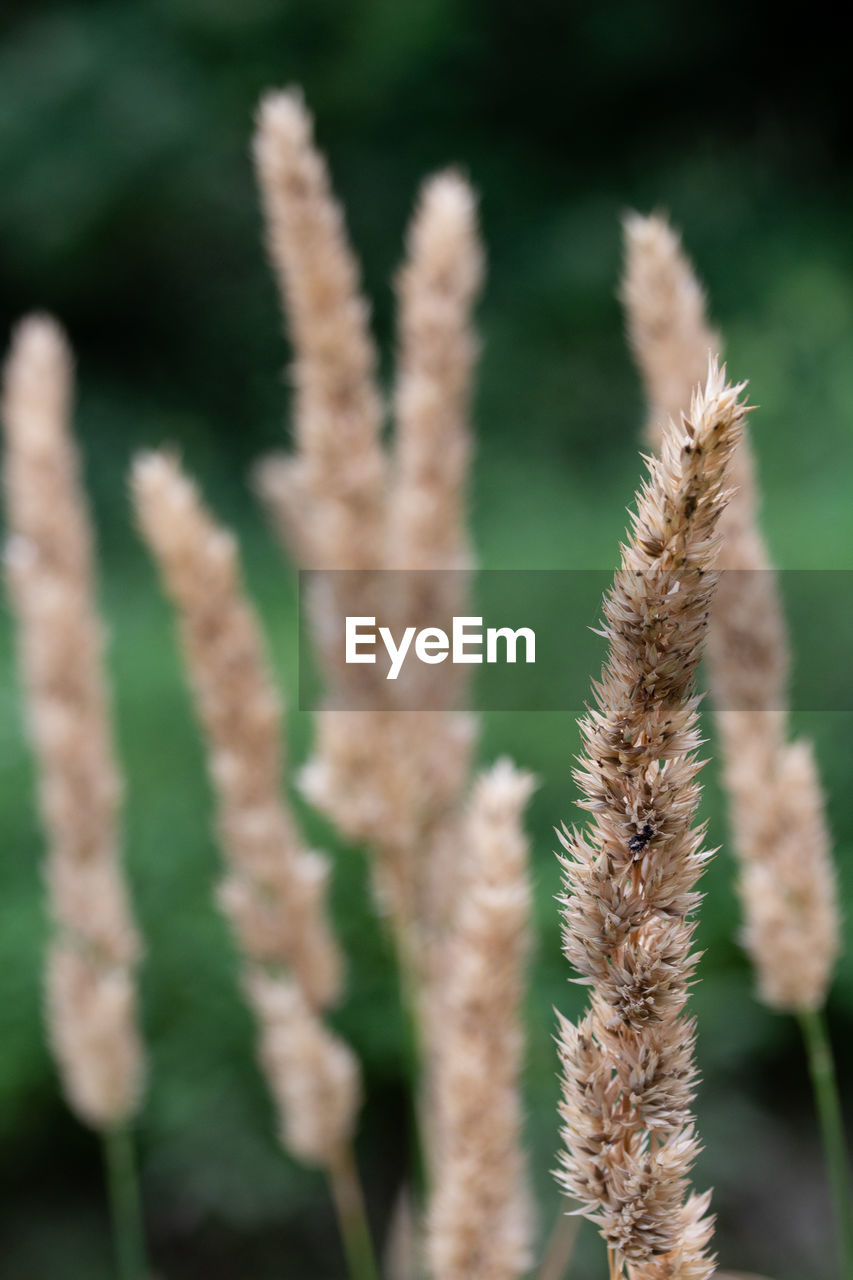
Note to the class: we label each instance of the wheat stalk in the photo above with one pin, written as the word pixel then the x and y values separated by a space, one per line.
pixel 630 897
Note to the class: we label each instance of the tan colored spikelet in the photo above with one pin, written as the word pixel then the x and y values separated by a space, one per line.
pixel 339 463
pixel 92 1019
pixel 275 889
pixel 436 353
pixel 91 997
pixel 392 781
pixel 389 779
pixel 667 327
pixel 630 877
pixel 792 922
pixel 479 1224
pixel 787 878
pixel 327 501
pixel 313 1075
pixel 428 509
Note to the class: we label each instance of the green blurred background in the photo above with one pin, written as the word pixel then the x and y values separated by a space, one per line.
pixel 128 208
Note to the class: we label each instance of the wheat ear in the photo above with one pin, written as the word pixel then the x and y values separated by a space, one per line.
pixel 630 898
pixel 94 949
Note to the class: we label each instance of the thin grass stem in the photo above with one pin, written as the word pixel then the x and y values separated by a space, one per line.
pixel 352 1216
pixel 560 1248
pixel 125 1203
pixel 415 1050
pixel 825 1085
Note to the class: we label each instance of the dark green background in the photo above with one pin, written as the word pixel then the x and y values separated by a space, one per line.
pixel 127 207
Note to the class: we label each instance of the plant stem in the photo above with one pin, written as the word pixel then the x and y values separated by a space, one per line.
pixel 824 1084
pixel 123 1186
pixel 560 1248
pixel 415 1048
pixel 352 1218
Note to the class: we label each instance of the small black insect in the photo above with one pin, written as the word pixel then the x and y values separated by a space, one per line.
pixel 638 842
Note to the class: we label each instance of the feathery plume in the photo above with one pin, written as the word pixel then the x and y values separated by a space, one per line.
pixel 393 786
pixel 418 764
pixel 791 904
pixel 274 892
pixel 436 289
pixel 787 879
pixel 630 897
pixel 94 951
pixel 479 1221
pixel 385 779
pixel 313 1075
pixel 330 498
pixel 665 312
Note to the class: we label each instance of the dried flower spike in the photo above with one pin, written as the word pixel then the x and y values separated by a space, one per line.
pixel 387 780
pixel 274 893
pixel 437 349
pixel 94 951
pixel 665 312
pixel 630 897
pixel 330 498
pixel 479 1220
pixel 787 878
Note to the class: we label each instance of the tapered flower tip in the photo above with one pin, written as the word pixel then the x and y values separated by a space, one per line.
pixel 504 787
pixel 719 398
pixel 282 120
pixel 444 230
pixel 37 373
pixel 168 506
pixel 156 481
pixel 649 231
pixel 153 468
pixel 449 198
pixel 42 338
